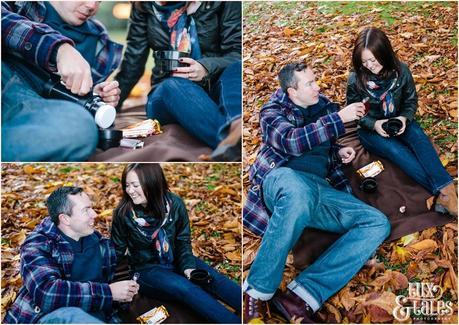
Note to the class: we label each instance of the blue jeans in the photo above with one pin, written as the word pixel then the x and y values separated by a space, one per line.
pixel 299 200
pixel 413 153
pixel 164 282
pixel 69 315
pixel 39 129
pixel 205 116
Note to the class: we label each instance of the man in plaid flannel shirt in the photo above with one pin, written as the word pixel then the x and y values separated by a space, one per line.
pixel 291 190
pixel 66 267
pixel 41 38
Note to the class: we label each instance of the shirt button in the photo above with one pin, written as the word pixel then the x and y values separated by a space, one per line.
pixel 37 309
pixel 256 187
pixel 28 46
pixel 273 164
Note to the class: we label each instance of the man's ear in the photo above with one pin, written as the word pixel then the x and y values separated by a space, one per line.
pixel 64 219
pixel 291 92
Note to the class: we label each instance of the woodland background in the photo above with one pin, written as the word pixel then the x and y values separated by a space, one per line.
pixel 212 195
pixel 424 35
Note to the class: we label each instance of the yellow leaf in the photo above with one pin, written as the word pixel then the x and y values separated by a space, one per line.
pixel 29 169
pixel 405 240
pixel 233 256
pixel 105 213
pixel 402 253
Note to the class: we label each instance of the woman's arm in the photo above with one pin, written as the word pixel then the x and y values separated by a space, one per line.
pixel 353 95
pixel 230 39
pixel 118 235
pixel 409 102
pixel 183 252
pixel 136 54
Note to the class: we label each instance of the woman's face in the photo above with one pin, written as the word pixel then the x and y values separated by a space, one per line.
pixel 134 190
pixel 369 61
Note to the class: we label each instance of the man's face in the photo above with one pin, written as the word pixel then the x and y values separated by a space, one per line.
pixel 76 12
pixel 81 221
pixel 307 90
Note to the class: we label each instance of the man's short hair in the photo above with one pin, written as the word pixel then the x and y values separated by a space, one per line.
pixel 286 76
pixel 59 202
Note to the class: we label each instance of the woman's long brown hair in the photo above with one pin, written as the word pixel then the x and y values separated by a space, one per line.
pixel 154 186
pixel 378 43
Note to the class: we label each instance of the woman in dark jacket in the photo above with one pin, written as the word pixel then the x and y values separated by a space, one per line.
pixel 388 85
pixel 152 224
pixel 203 96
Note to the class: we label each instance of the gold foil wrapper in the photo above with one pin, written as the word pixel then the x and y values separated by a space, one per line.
pixel 155 316
pixel 371 170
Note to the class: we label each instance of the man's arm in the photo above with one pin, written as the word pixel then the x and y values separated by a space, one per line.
pixel 44 281
pixel 35 42
pixel 281 134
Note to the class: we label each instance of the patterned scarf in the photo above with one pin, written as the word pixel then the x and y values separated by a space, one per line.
pixel 177 19
pixel 382 91
pixel 151 228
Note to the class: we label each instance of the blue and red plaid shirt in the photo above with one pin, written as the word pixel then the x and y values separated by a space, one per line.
pixel 24 35
pixel 46 266
pixel 285 135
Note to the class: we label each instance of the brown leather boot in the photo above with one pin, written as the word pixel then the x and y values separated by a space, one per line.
pixel 290 305
pixel 255 310
pixel 447 200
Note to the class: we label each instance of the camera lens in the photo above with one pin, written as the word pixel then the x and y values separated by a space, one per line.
pixel 392 126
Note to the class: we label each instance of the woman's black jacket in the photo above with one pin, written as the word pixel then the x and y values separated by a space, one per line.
pixel 405 98
pixel 219 30
pixel 142 251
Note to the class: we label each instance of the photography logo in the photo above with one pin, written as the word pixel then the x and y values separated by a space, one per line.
pixel 423 303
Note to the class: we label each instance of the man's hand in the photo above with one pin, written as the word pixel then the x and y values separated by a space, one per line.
pixel 109 91
pixel 195 71
pixel 378 128
pixel 403 119
pixel 352 112
pixel 124 291
pixel 74 70
pixel 187 273
pixel 347 154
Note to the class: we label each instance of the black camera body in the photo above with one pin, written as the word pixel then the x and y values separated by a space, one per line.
pixel 104 115
pixel 167 61
pixel 392 126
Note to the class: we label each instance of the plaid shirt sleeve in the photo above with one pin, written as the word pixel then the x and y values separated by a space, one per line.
pixel 279 133
pixel 43 279
pixel 31 40
pixel 335 175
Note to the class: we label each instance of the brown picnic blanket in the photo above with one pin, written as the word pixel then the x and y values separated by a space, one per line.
pixel 178 313
pixel 174 144
pixel 395 190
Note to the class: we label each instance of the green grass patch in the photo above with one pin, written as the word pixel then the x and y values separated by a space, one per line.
pixel 69 169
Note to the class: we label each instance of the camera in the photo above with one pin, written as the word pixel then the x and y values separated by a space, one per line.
pixel 104 115
pixel 369 185
pixel 392 126
pixel 167 61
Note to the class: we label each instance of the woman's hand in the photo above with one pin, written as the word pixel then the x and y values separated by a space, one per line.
pixel 187 273
pixel 403 119
pixel 378 128
pixel 347 154
pixel 195 71
pixel 109 91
